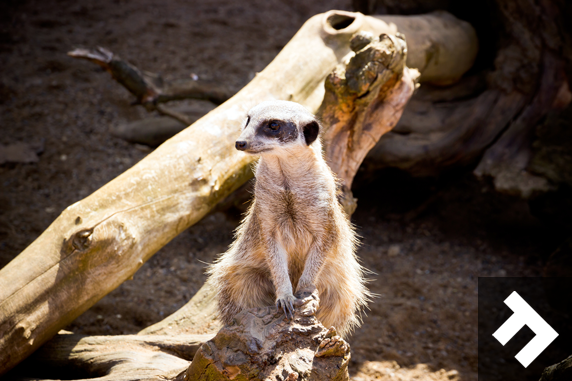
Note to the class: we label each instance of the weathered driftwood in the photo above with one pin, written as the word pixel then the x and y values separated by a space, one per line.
pixel 99 242
pixel 496 121
pixel 438 45
pixel 364 99
pixel 263 345
pixel 442 128
pixel 507 160
pixel 198 316
pixel 127 357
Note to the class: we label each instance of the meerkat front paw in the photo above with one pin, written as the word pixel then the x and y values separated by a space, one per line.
pixel 307 291
pixel 286 303
pixel 307 300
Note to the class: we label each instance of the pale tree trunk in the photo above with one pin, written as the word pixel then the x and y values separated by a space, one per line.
pixel 101 241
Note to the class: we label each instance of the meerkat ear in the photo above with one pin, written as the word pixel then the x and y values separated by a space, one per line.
pixel 311 131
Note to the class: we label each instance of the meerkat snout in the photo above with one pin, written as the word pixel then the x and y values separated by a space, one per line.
pixel 241 145
pixel 274 125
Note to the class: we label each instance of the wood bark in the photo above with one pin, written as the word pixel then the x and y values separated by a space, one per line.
pixel 490 120
pixel 263 345
pixel 126 357
pixel 558 372
pixel 99 242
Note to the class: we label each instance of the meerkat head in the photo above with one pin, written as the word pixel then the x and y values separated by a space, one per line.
pixel 273 126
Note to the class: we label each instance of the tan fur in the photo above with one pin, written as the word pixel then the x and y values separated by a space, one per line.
pixel 295 234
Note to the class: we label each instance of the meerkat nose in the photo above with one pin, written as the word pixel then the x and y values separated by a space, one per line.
pixel 241 145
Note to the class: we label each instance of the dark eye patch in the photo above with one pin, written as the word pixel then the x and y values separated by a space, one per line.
pixel 247 121
pixel 283 131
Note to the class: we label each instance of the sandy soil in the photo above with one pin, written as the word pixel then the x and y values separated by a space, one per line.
pixel 427 241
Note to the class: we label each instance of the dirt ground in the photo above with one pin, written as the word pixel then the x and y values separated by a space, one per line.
pixel 426 241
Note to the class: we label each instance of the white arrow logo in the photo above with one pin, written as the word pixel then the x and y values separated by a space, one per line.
pixel 523 315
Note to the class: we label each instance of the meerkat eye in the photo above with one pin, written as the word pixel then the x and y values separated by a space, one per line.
pixel 247 121
pixel 273 125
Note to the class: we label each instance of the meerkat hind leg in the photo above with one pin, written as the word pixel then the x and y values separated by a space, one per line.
pixel 247 288
pixel 337 302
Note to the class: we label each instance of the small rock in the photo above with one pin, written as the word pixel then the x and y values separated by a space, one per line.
pixel 18 153
pixel 394 250
pixel 452 374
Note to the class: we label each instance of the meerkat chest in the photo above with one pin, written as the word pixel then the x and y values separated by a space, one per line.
pixel 300 208
pixel 295 216
pixel 293 208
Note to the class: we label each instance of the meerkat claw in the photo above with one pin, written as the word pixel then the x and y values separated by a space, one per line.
pixel 286 306
pixel 289 309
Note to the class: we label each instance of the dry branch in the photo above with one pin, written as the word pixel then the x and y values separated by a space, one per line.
pixel 149 88
pixel 101 241
pixel 442 57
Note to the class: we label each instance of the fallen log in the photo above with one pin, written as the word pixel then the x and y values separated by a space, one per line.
pixel 262 344
pixel 99 242
pixel 126 357
pixel 507 160
pixel 489 124
pixel 438 132
pixel 150 87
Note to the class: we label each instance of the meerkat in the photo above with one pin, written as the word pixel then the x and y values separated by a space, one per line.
pixel 295 236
